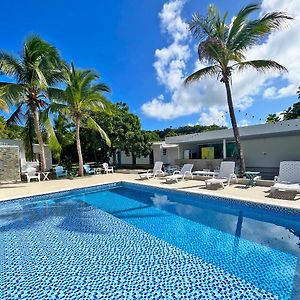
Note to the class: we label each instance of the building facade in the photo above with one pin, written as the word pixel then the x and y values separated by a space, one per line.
pixel 264 146
pixel 22 153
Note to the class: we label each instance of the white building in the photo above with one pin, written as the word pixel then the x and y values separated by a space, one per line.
pixel 22 155
pixel 264 146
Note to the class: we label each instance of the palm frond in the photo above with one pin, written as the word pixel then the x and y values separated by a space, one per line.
pixel 11 92
pixel 55 94
pixel 207 71
pixel 253 31
pixel 54 145
pixel 260 65
pixel 201 26
pixel 240 19
pixel 3 105
pixel 17 116
pixel 92 124
pixel 101 87
pixel 10 65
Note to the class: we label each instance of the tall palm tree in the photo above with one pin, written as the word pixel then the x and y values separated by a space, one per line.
pixel 35 71
pixel 81 97
pixel 223 47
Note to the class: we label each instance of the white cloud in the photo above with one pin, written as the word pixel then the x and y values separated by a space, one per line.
pixel 207 97
pixel 213 117
pixel 244 123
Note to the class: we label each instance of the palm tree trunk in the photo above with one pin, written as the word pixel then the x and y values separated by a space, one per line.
pixel 78 144
pixel 38 131
pixel 236 133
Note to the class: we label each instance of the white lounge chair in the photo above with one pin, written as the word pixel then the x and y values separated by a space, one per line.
pixel 88 170
pixel 226 174
pixel 288 178
pixel 107 168
pixel 157 170
pixel 186 170
pixel 60 172
pixel 31 173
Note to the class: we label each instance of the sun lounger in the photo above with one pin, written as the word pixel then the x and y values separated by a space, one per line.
pixel 157 170
pixel 226 174
pixel 288 178
pixel 186 170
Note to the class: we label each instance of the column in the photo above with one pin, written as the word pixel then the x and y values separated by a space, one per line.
pixel 224 149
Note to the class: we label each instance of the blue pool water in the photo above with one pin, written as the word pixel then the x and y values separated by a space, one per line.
pixel 126 241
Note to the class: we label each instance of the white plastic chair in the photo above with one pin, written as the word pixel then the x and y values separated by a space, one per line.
pixel 88 170
pixel 157 170
pixel 60 172
pixel 107 168
pixel 226 174
pixel 288 178
pixel 186 170
pixel 31 173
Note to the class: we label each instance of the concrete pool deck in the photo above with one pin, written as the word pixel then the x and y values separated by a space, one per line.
pixel 238 191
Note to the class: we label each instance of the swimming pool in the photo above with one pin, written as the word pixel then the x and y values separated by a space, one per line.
pixel 131 241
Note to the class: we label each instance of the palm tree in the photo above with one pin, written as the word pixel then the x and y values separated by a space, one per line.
pixel 223 47
pixel 35 71
pixel 273 118
pixel 80 98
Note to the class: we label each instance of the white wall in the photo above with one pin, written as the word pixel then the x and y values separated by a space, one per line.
pixel 157 154
pixel 126 160
pixel 171 155
pixel 269 152
pixel 143 160
pixel 48 154
pixel 194 147
pixel 35 151
pixel 15 143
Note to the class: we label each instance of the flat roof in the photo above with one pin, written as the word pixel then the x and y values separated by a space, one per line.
pixel 290 127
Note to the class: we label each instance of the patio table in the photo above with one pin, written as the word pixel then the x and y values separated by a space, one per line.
pixel 171 169
pixel 45 174
pixel 252 177
pixel 205 173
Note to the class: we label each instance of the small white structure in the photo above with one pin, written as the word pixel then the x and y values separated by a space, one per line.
pixel 22 154
pixel 165 152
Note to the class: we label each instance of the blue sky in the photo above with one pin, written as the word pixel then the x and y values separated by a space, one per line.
pixel 124 39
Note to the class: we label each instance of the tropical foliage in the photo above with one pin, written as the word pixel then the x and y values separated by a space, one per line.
pixel 162 134
pixel 124 130
pixel 222 48
pixel 292 112
pixel 9 132
pixel 81 97
pixel 35 71
pixel 272 118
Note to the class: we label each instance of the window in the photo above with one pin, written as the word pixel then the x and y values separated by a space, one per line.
pixel 164 151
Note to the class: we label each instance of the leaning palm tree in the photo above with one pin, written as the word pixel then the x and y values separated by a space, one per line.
pixel 223 47
pixel 80 98
pixel 35 71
